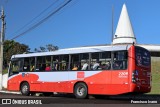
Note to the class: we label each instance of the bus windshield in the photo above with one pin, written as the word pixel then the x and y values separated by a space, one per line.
pixel 15 67
pixel 142 57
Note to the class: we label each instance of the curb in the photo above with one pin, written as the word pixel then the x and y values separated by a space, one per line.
pixel 9 92
pixel 14 92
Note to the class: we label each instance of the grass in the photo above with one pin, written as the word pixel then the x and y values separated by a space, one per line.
pixel 155 77
pixel 5 71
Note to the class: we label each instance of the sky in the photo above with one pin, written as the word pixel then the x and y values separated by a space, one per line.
pixel 80 23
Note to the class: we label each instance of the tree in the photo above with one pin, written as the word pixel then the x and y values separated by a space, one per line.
pixel 40 49
pixel 51 47
pixel 43 49
pixel 12 47
pixel 48 47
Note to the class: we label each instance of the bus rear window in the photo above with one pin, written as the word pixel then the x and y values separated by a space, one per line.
pixel 142 57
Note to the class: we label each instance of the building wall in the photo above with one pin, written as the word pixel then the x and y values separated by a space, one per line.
pixel 4 82
pixel 155 56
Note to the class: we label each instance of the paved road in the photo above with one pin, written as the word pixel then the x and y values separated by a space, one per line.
pixel 66 99
pixel 69 99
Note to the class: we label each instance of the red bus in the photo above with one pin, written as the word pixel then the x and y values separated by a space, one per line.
pixel 93 70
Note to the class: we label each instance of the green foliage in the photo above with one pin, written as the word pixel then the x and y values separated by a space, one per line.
pixel 48 47
pixel 12 47
pixel 5 71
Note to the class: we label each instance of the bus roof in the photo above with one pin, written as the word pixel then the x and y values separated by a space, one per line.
pixel 85 49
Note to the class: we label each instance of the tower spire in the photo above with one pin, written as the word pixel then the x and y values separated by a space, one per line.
pixel 124 32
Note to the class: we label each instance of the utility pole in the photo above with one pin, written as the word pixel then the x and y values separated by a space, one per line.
pixel 112 24
pixel 2 36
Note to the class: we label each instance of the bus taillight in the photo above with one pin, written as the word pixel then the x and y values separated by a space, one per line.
pixel 135 76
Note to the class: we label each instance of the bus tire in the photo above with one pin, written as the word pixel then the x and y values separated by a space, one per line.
pixel 25 89
pixel 80 91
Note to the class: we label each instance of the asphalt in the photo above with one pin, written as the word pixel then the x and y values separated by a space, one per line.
pixel 69 101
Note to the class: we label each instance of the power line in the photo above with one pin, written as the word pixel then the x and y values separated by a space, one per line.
pixel 43 20
pixel 35 17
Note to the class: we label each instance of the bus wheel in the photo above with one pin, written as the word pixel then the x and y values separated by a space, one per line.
pixel 81 91
pixel 25 89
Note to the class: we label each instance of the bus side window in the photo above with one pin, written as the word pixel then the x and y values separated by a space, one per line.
pixel 64 60
pixel 84 61
pixel 29 64
pixel 43 63
pixel 120 60
pixel 105 59
pixel 75 62
pixel 48 63
pixel 55 63
pixel 26 66
pixel 95 63
pixel 32 63
pixel 40 66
